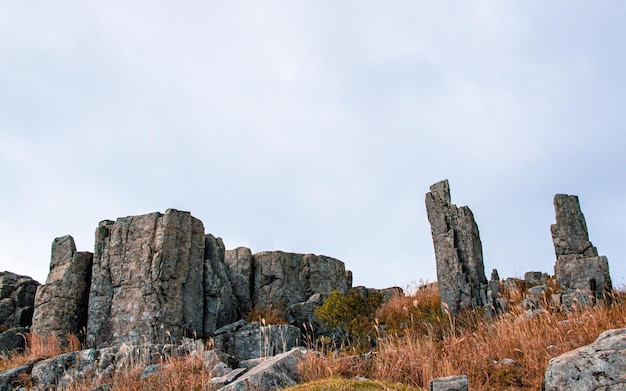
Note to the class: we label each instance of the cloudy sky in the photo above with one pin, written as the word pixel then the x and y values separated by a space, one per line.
pixel 314 126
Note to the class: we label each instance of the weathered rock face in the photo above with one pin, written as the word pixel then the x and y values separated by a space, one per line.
pixel 289 278
pixel 240 264
pixel 148 277
pixel 254 340
pixel 599 366
pixel 578 266
pixel 61 304
pixel 17 300
pixel 220 302
pixel 458 251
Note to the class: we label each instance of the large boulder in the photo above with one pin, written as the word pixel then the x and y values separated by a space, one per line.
pixel 61 304
pixel 598 366
pixel 458 251
pixel 148 279
pixel 17 300
pixel 578 266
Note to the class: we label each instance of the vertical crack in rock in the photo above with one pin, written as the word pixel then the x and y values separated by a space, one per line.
pixel 458 251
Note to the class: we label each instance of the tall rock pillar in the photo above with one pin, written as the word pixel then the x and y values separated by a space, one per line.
pixel 458 251
pixel 61 304
pixel 148 277
pixel 578 266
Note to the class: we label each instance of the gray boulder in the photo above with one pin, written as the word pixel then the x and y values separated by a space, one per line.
pixel 450 383
pixel 458 251
pixel 598 366
pixel 17 300
pixel 274 373
pixel 61 304
pixel 148 277
pixel 253 340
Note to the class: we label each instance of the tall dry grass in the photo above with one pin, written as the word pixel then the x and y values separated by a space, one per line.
pixel 39 347
pixel 470 344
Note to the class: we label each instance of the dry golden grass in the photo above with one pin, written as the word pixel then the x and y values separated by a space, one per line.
pixel 38 348
pixel 472 345
pixel 422 345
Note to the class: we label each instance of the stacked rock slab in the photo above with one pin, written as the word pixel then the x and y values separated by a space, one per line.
pixel 578 266
pixel 458 251
pixel 17 298
pixel 61 304
pixel 148 277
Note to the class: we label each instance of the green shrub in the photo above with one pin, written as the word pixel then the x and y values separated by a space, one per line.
pixel 353 314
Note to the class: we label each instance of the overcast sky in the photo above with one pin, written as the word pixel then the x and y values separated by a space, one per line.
pixel 314 126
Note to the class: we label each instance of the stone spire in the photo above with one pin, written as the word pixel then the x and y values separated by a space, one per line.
pixel 458 251
pixel 578 265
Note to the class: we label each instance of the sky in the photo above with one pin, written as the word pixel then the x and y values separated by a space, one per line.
pixel 314 126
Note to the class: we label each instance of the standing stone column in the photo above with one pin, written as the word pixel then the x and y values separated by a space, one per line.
pixel 578 266
pixel 148 277
pixel 61 304
pixel 458 251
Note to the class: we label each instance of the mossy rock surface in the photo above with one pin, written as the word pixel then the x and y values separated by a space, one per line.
pixel 339 384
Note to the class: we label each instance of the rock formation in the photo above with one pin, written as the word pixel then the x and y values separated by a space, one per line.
pixel 61 304
pixel 578 266
pixel 598 366
pixel 147 283
pixel 17 300
pixel 158 277
pixel 458 251
pixel 288 278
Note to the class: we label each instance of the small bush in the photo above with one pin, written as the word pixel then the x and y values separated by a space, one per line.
pixel 353 314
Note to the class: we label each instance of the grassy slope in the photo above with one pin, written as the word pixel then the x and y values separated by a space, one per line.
pixel 421 344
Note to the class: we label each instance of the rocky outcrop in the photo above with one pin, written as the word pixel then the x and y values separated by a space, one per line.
pixel 148 277
pixel 254 340
pixel 598 366
pixel 157 278
pixel 61 304
pixel 458 251
pixel 578 266
pixel 17 300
